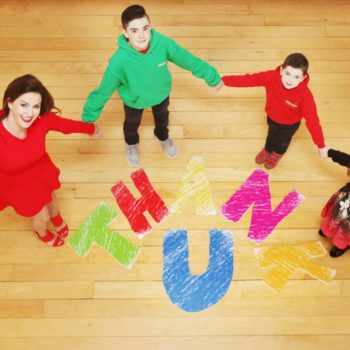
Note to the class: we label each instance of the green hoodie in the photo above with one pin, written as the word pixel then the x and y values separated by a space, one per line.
pixel 144 80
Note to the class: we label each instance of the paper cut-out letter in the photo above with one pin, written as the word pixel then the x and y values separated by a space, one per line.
pixel 193 293
pixel 284 260
pixel 195 183
pixel 256 191
pixel 95 229
pixel 134 208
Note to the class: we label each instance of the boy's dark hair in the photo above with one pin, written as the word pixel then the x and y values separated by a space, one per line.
pixel 133 12
pixel 297 60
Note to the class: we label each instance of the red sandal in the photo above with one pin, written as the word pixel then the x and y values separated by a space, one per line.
pixel 57 221
pixel 50 239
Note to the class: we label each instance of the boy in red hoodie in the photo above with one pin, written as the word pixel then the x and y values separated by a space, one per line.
pixel 288 99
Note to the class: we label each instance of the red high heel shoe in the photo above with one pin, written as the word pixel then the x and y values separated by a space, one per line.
pixel 57 221
pixel 50 239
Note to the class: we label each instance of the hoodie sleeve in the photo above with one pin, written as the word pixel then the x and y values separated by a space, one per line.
pixel 98 98
pixel 339 157
pixel 199 68
pixel 309 112
pixel 247 80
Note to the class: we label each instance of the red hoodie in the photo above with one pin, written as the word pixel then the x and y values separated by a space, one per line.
pixel 282 105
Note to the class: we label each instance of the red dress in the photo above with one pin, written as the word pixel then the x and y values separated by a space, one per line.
pixel 336 212
pixel 336 220
pixel 27 174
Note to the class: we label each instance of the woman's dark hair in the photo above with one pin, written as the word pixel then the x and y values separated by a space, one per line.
pixel 28 83
pixel 297 60
pixel 132 12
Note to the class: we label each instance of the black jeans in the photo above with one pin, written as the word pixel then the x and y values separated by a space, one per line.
pixel 133 118
pixel 279 136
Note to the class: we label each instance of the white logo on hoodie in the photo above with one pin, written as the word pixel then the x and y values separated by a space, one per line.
pixel 291 104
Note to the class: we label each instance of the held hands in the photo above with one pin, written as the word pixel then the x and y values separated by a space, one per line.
pixel 98 133
pixel 217 87
pixel 323 152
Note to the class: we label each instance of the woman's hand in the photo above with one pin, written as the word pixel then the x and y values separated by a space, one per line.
pixel 98 133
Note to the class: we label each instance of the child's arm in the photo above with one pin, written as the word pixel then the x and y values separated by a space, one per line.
pixel 339 157
pixel 309 112
pixel 68 126
pixel 98 98
pixel 199 68
pixel 247 80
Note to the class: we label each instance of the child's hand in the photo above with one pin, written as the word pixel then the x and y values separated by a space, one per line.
pixel 98 133
pixel 217 87
pixel 323 152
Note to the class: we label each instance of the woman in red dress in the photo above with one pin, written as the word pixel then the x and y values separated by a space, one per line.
pixel 28 177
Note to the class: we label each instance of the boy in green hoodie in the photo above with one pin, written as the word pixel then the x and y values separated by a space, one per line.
pixel 138 71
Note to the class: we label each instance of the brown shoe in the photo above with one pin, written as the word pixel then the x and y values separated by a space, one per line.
pixel 273 160
pixel 262 156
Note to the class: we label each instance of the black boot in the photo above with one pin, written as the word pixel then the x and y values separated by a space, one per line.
pixel 335 252
pixel 320 232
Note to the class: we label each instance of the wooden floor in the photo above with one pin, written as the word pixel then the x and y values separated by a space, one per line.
pixel 53 299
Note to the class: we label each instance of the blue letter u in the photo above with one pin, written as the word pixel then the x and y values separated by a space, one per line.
pixel 190 292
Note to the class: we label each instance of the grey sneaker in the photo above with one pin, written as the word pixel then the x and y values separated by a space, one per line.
pixel 170 148
pixel 132 155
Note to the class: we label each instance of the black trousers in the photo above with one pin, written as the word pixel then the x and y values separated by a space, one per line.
pixel 133 118
pixel 279 136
